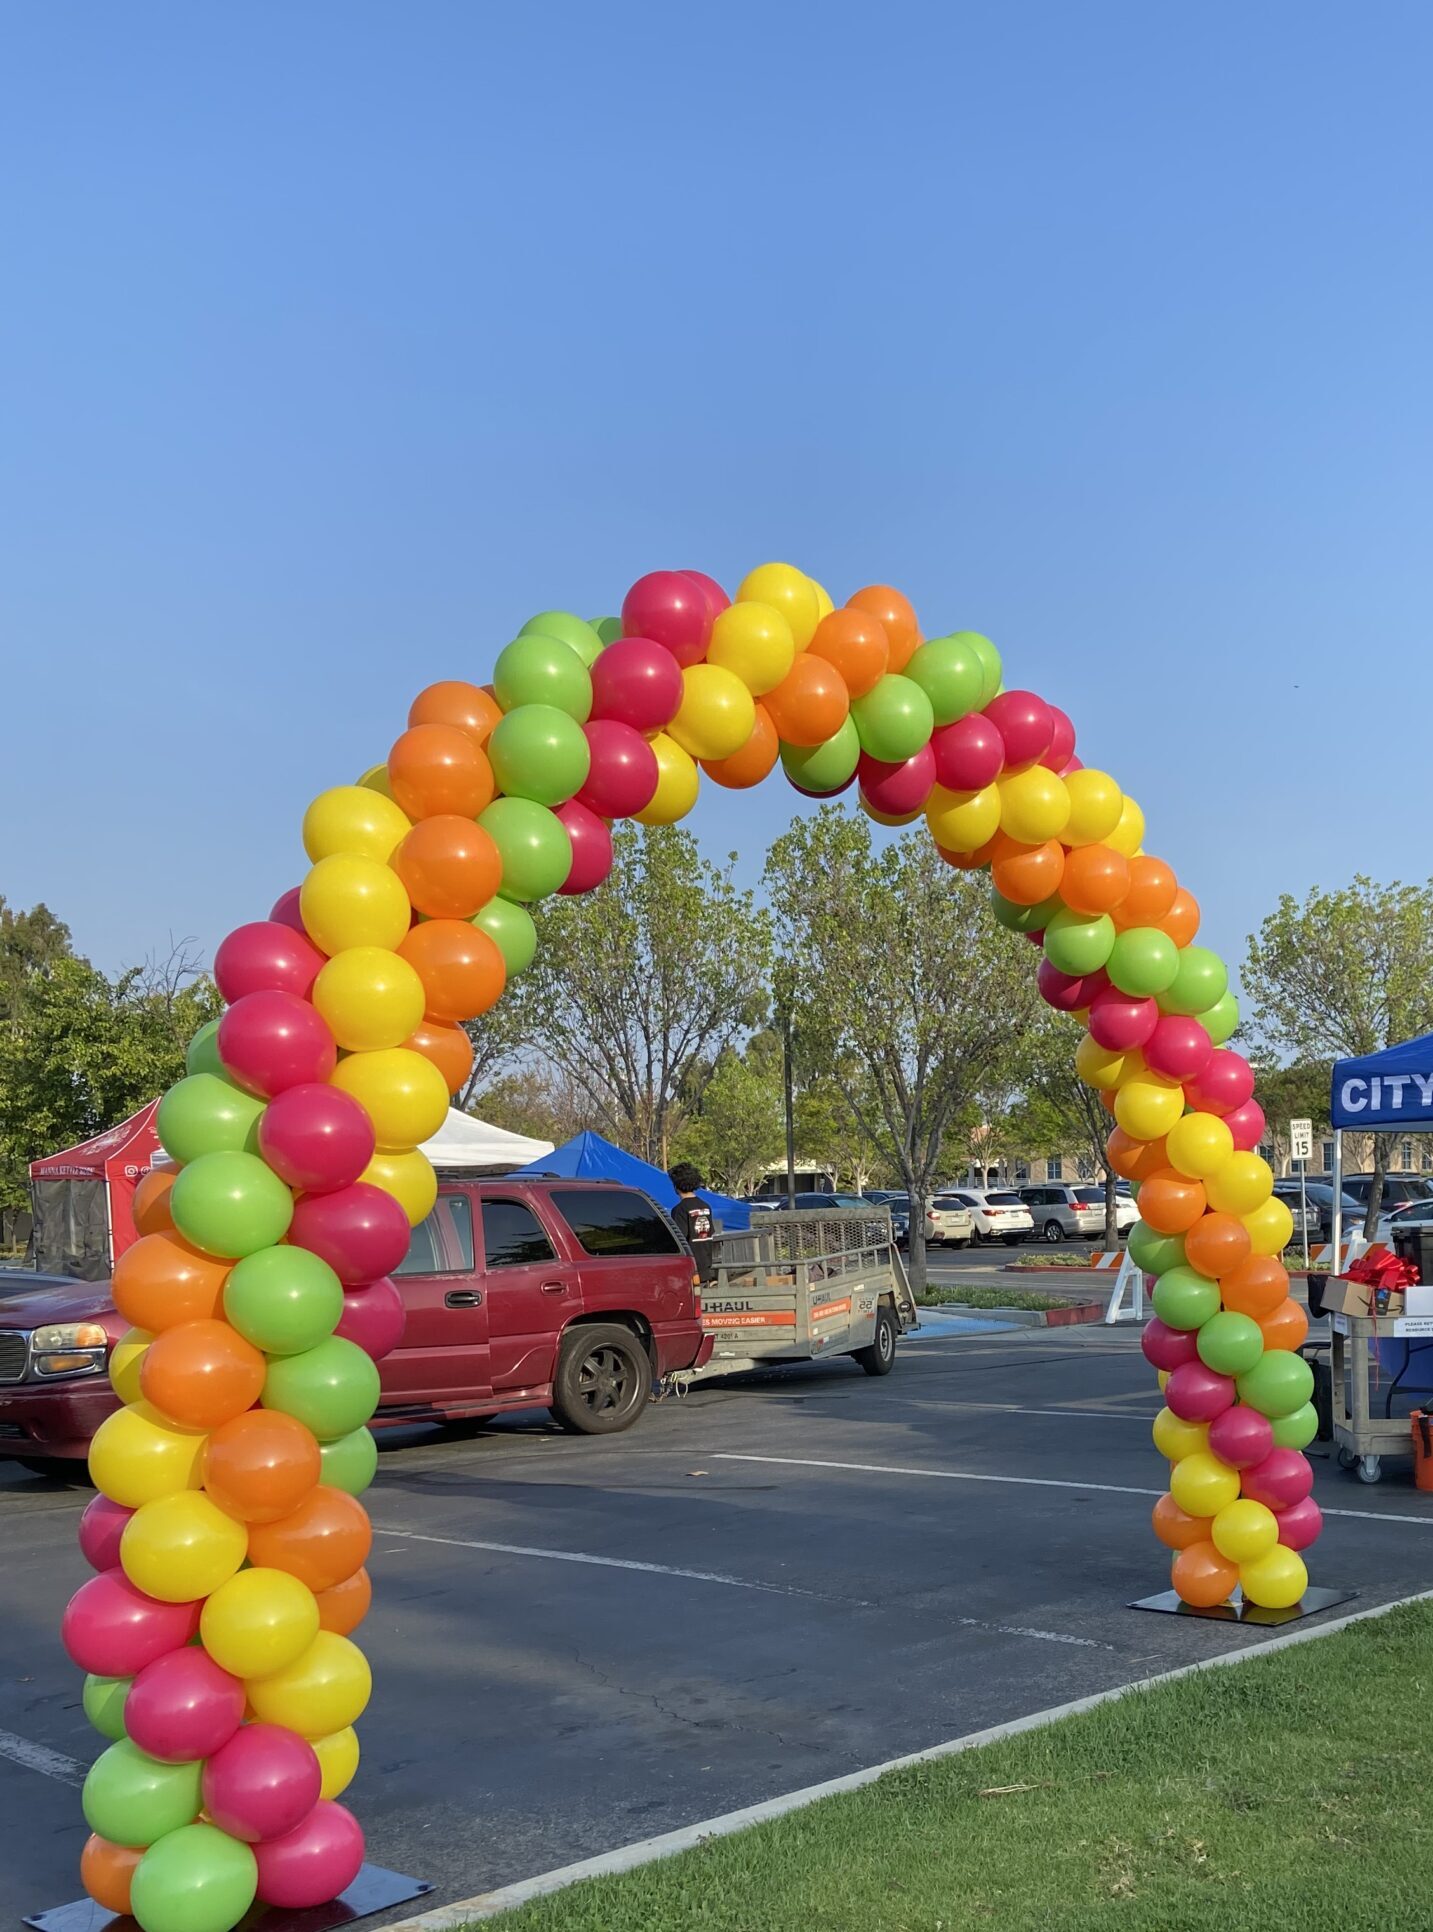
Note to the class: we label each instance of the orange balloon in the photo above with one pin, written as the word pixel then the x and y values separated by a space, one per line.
pixel 449 866
pixel 1152 886
pixel 161 1281
pixel 201 1374
pixel 323 1542
pixel 811 703
pixel 1287 1327
pixel 897 619
pixel 448 1047
pixel 1256 1287
pixel 106 1871
pixel 1026 874
pixel 1216 1244
pixel 753 762
pixel 343 1607
pixel 1169 1202
pixel 856 643
pixel 1096 879
pixel 149 1209
pixel 1135 1160
pixel 1181 922
pixel 1107 1099
pixel 261 1466
pixel 974 861
pixel 1176 1528
pixel 436 768
pixel 453 701
pixel 1203 1577
pixel 462 971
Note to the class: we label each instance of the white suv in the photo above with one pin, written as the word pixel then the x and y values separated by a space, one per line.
pixel 998 1214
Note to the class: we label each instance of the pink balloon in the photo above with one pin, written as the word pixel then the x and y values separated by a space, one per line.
pixel 717 599
pixel 623 774
pixel 183 1707
pixel 969 754
pixel 1196 1394
pixel 360 1231
pixel 637 682
pixel 897 788
pixel 1027 725
pixel 285 911
pixel 373 1317
pixel 1168 1348
pixel 101 1527
pixel 1300 1524
pixel 312 1863
pixel 1066 992
pixel 114 1630
pixel 1241 1437
pixel 271 1041
pixel 266 957
pixel 674 610
pixel 263 1783
pixel 1246 1124
pixel 1222 1085
pixel 1061 755
pixel 1075 764
pixel 1119 1022
pixel 1282 1479
pixel 1178 1048
pixel 591 838
pixel 316 1137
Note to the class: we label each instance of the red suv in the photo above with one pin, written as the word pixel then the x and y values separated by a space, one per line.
pixel 573 1295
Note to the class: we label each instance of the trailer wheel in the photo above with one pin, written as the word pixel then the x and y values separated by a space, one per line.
pixel 880 1357
pixel 603 1380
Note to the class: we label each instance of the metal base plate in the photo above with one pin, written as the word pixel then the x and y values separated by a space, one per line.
pixel 374 1890
pixel 1237 1611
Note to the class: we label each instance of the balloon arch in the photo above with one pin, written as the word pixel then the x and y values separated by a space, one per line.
pixel 259 1295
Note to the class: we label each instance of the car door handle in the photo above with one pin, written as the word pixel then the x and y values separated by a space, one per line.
pixel 554 1287
pixel 463 1298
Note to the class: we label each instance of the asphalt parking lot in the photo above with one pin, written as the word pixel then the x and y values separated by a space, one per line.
pixel 577 1644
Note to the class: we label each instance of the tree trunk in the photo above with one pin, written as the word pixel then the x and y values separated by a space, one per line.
pixel 1382 1147
pixel 1112 1224
pixel 916 1266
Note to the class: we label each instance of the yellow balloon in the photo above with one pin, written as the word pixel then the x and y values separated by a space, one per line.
pixel 824 605
pixel 1034 805
pixel 677 783
pixel 1128 834
pixel 1275 1581
pixel 1175 1438
pixel 354 818
pixel 1095 802
pixel 182 1547
pixel 963 821
pixel 1270 1225
pixel 337 1756
pixel 371 998
pixel 717 713
pixel 1243 1183
pixel 1202 1485
pixel 1104 1067
pixel 403 1094
pixel 376 779
pixel 137 1455
pixel 124 1361
pixel 351 900
pixel 1147 1107
pixel 754 641
pixel 409 1178
pixel 1245 1530
pixel 788 590
pixel 322 1691
pixel 1162 1377
pixel 258 1622
pixel 1199 1145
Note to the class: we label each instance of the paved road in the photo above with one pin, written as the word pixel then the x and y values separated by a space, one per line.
pixel 773 1581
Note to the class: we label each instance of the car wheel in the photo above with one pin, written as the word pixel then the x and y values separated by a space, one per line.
pixel 1053 1232
pixel 880 1357
pixel 603 1380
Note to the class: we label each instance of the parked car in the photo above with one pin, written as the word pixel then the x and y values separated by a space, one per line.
pixel 1411 1214
pixel 1287 1191
pixel 1397 1188
pixel 998 1214
pixel 1060 1211
pixel 948 1222
pixel 1320 1199
pixel 570 1295
pixel 810 1202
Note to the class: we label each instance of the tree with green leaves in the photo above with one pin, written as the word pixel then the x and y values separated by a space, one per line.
pixel 1054 1111
pixel 735 1130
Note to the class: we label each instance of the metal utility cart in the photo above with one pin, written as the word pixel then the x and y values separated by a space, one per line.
pixel 1362 1436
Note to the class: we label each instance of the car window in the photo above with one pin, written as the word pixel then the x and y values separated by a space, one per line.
pixel 1090 1196
pixel 614 1220
pixel 948 1203
pixel 443 1243
pixel 513 1235
pixel 1004 1200
pixel 966 1200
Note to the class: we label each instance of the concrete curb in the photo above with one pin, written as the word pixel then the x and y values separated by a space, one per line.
pixel 1066 1317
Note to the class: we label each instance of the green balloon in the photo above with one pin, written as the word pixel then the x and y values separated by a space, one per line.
pixel 1279 1383
pixel 103 1699
pixel 541 753
pixel 197 1879
pixel 989 662
pixel 203 1053
pixel 1230 1344
pixel 1298 1430
pixel 1153 1252
pixel 824 768
pixel 536 851
pixel 1023 918
pixel 1183 1299
pixel 1200 981
pixel 575 632
pixel 1077 945
pixel 351 1462
pixel 284 1300
pixel 893 719
pixel 609 629
pixel 542 670
pixel 1221 1019
pixel 952 676
pixel 1142 961
pixel 511 930
pixel 207 1114
pixel 230 1204
pixel 132 1799
pixel 332 1388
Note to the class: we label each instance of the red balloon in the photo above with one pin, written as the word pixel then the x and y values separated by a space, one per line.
pixel 1246 1124
pixel 1241 1436
pixel 360 1231
pixel 1300 1524
pixel 266 957
pixel 969 754
pixel 271 1041
pixel 622 778
pixel 263 1782
pixel 183 1707
pixel 1168 1348
pixel 1178 1048
pixel 1066 992
pixel 1061 755
pixel 101 1527
pixel 1282 1479
pixel 897 788
pixel 591 838
pixel 285 911
pixel 373 1317
pixel 114 1630
pixel 674 610
pixel 1197 1394
pixel 1027 725
pixel 314 1862
pixel 835 791
pixel 636 682
pixel 717 599
pixel 316 1137
pixel 1222 1085
pixel 1118 1022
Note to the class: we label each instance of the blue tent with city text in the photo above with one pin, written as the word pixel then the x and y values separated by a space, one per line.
pixel 590 1158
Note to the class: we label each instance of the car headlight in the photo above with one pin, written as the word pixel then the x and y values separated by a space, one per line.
pixel 68 1348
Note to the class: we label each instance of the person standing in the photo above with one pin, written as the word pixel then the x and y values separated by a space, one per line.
pixel 692 1216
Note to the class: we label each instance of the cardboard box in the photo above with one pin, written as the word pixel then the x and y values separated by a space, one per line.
pixel 1344 1297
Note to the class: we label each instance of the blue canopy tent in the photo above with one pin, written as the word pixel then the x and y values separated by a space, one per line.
pixel 1388 1091
pixel 588 1157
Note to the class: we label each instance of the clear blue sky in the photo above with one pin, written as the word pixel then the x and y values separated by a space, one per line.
pixel 338 338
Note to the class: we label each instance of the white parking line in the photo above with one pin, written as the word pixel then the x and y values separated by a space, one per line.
pixel 39 1757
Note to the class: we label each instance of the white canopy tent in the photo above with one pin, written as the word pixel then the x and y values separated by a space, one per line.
pixel 465 1145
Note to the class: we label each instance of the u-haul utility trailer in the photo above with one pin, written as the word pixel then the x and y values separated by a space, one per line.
pixel 796 1287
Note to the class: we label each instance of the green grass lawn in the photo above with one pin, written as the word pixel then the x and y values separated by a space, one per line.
pixel 1275 1796
pixel 989 1298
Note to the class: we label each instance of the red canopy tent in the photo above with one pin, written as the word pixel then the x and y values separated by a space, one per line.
pixel 84 1198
